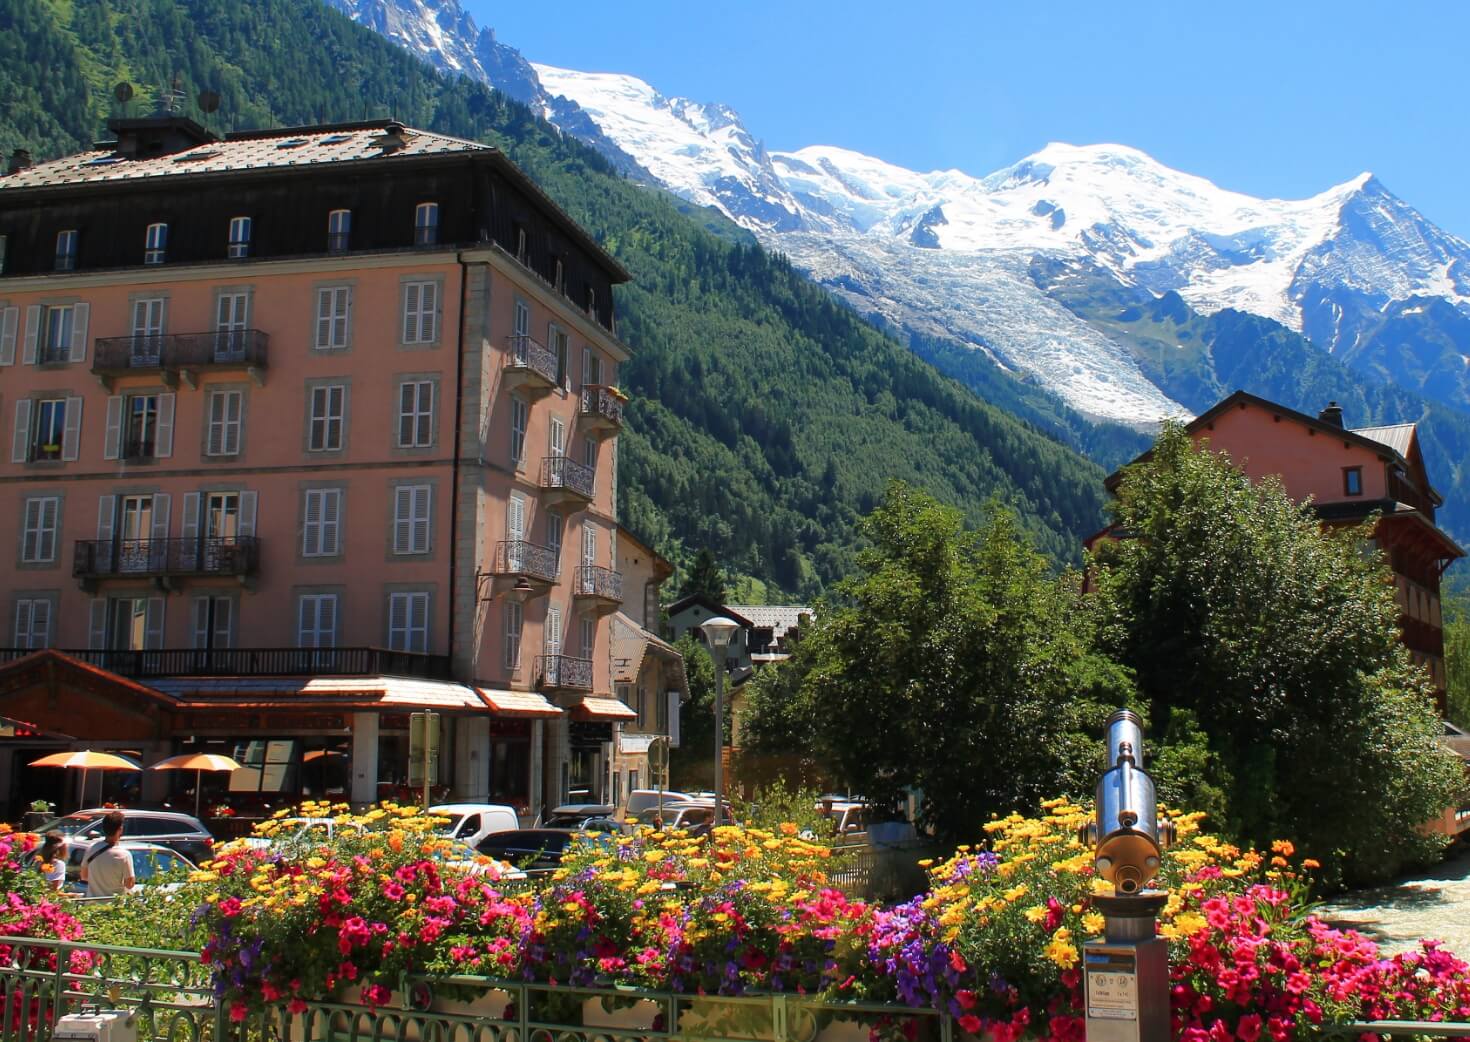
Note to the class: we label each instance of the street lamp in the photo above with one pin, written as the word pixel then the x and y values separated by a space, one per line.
pixel 717 632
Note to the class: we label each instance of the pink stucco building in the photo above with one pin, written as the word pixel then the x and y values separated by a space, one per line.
pixel 307 429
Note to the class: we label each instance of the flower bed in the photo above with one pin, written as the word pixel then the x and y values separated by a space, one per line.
pixel 995 942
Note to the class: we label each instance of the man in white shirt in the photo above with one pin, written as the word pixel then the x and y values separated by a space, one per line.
pixel 108 869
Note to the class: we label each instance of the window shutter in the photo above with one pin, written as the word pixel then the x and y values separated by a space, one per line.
pixel 398 621
pixel 331 513
pixel 40 624
pixel 50 527
pixel 411 309
pixel 33 333
pixel 190 524
pixel 306 622
pixel 20 446
pixel 421 508
pixel 553 632
pixel 515 519
pixel 224 622
pixel 106 514
pixel 326 622
pixel 23 623
pixel 418 622
pixel 323 318
pixel 558 436
pixel 234 421
pixel 161 504
pixel 589 544
pixel 71 436
pixel 247 514
pixel 153 624
pixel 9 319
pixel 428 313
pixel 97 623
pixel 311 523
pixel 164 443
pixel 80 314
pixel 214 441
pixel 200 625
pixel 112 433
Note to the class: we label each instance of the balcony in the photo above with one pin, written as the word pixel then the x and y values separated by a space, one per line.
pixel 563 673
pixel 165 559
pixel 565 481
pixel 601 412
pixel 531 368
pixel 523 570
pixel 181 354
pixel 597 589
pixel 258 662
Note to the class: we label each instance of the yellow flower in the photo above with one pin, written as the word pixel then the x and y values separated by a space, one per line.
pixel 1061 950
pixel 1283 847
pixel 1093 922
pixel 1036 913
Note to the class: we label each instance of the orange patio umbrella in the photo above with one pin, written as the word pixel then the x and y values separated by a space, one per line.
pixel 198 763
pixel 88 760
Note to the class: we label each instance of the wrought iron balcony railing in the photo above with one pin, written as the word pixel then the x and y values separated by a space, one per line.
pixel 565 672
pixel 106 558
pixel 224 347
pixel 257 662
pixel 518 557
pixel 562 473
pixel 601 408
pixel 534 359
pixel 593 580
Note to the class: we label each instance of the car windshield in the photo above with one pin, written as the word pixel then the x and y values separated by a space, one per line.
pixel 451 823
pixel 71 824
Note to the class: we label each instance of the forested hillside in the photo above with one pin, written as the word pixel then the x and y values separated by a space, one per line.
pixel 765 417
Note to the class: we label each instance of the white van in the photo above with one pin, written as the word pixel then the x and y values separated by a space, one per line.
pixel 472 822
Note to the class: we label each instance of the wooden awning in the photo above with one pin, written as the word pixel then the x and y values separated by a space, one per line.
pixel 525 704
pixel 602 707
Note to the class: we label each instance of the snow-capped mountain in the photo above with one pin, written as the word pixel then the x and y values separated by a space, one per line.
pixel 951 255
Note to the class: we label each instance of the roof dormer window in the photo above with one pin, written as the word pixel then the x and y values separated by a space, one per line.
pixel 426 224
pixel 66 250
pixel 240 229
pixel 339 231
pixel 155 244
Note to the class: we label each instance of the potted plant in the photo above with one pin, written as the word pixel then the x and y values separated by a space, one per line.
pixel 40 813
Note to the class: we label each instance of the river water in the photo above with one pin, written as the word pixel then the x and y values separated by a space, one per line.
pixel 1432 905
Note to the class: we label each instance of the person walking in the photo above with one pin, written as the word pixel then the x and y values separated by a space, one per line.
pixel 108 869
pixel 52 859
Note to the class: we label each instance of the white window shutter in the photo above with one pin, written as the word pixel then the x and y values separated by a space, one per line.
pixel 411 308
pixel 33 333
pixel 323 318
pixel 71 436
pixel 429 313
pixel 418 622
pixel 421 518
pixel 558 429
pixel 162 501
pixel 589 544
pixel 164 443
pixel 40 624
pixel 398 621
pixel 153 624
pixel 200 626
pixel 553 631
pixel 23 623
pixel 247 513
pixel 9 320
pixel 515 519
pixel 20 446
pixel 97 624
pixel 80 314
pixel 331 514
pixel 234 421
pixel 190 525
pixel 327 622
pixel 106 514
pixel 112 433
pixel 403 519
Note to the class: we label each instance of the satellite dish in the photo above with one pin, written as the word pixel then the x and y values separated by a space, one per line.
pixel 208 101
pixel 123 92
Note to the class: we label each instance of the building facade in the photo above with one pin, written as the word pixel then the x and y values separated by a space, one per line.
pixel 1350 475
pixel 310 429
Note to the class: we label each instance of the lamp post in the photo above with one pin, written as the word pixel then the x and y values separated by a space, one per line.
pixel 717 632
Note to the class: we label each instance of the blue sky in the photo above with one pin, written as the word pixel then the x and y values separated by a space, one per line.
pixel 1281 99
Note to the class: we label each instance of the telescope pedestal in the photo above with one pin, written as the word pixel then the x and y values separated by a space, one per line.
pixel 1125 973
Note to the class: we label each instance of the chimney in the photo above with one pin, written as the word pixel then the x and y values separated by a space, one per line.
pixel 20 160
pixel 1332 414
pixel 393 138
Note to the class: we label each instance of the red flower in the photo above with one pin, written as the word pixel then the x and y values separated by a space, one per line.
pixel 1249 1028
pixel 970 1023
pixel 957 961
pixel 965 998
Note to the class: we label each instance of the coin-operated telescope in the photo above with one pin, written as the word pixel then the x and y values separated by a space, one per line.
pixel 1127 970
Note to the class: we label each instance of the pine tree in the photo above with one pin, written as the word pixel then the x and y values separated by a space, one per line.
pixel 705 579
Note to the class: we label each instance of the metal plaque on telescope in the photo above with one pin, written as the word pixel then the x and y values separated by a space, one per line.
pixel 1112 986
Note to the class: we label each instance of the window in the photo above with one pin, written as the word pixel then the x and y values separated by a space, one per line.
pixel 520 414
pixel 333 307
pixel 147 345
pixel 339 231
pixel 559 342
pixel 1352 481
pixel 321 522
pixel 415 414
pixel 66 250
pixel 140 434
pixel 58 326
pixel 134 623
pixel 554 527
pixel 213 623
pixel 49 429
pixel 32 623
pixel 239 238
pixel 426 224
pixel 420 312
pixel 591 367
pixel 155 244
pixel 40 529
pixel 522 319
pixel 589 635
pixel 411 519
pixel 231 318
pixel 324 426
pixel 589 454
pixel 514 616
pixel 408 622
pixel 225 411
pixel 558 431
pixel 222 518
pixel 317 621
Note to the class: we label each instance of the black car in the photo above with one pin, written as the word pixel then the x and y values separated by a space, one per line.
pixel 183 833
pixel 534 850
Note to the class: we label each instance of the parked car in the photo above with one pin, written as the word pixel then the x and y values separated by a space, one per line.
pixel 472 822
pixel 640 800
pixel 533 850
pixel 696 816
pixel 848 817
pixel 150 862
pixel 589 817
pixel 290 832
pixel 182 833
